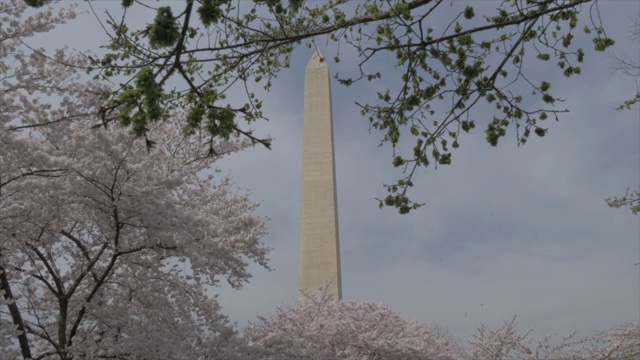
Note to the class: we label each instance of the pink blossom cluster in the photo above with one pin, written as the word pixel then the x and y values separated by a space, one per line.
pixel 107 249
pixel 322 328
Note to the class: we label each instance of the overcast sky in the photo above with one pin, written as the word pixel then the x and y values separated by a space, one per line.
pixel 506 230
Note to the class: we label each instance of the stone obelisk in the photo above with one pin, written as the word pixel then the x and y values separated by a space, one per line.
pixel 319 243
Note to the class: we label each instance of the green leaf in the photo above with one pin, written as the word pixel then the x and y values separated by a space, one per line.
pixel 34 3
pixel 398 161
pixel 544 57
pixel 468 12
pixel 210 11
pixel 601 44
pixel 164 31
pixel 545 86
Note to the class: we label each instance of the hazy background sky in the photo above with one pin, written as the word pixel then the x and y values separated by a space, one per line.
pixel 506 230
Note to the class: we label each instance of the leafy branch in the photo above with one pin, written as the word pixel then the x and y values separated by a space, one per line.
pixel 446 74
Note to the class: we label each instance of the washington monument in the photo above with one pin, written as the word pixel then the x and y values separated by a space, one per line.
pixel 319 243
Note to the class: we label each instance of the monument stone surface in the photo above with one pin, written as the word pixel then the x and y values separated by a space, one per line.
pixel 319 242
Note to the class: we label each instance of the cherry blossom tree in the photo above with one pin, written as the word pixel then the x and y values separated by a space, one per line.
pixel 107 250
pixel 322 328
pixel 620 342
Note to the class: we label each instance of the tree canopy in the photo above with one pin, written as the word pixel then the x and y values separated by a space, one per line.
pixel 450 61
pixel 321 328
pixel 107 251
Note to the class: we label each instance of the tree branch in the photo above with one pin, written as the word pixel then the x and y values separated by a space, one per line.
pixel 16 316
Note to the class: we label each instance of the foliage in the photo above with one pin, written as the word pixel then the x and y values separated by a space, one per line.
pixel 323 328
pixel 107 251
pixel 449 59
pixel 630 199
